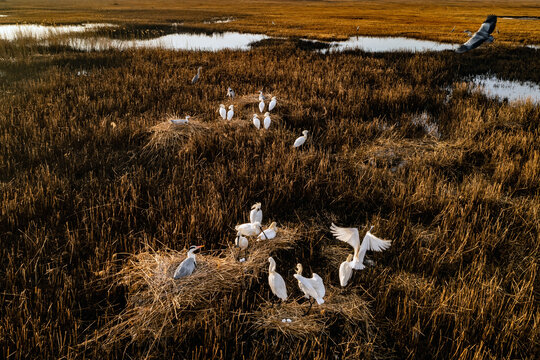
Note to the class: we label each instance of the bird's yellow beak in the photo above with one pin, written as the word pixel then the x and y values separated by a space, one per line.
pixel 200 246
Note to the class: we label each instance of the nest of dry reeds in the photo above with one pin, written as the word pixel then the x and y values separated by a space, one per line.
pixel 159 307
pixel 340 305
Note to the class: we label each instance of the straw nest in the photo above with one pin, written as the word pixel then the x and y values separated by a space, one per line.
pixel 167 135
pixel 340 307
pixel 159 307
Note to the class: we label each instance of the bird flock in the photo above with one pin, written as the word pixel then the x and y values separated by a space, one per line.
pixel 312 287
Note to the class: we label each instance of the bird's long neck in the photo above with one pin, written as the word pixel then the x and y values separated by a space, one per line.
pixel 191 254
pixel 272 267
pixel 299 269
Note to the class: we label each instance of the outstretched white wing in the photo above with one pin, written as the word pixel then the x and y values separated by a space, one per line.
pixel 373 243
pixel 348 235
pixel 318 285
pixel 307 286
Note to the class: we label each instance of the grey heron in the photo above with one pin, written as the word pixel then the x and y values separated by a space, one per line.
pixel 196 77
pixel 187 266
pixel 351 237
pixel 231 93
pixel 482 35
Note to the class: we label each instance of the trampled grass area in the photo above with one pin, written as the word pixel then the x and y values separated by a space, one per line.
pixel 99 195
pixel 432 20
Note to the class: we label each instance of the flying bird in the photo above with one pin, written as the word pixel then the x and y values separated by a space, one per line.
pixel 272 104
pixel 276 282
pixel 351 237
pixel 187 266
pixel 269 233
pixel 180 121
pixel 345 271
pixel 256 215
pixel 231 93
pixel 482 35
pixel 311 287
pixel 301 140
pixel 222 111
pixel 468 32
pixel 230 113
pixel 267 120
pixel 256 121
pixel 196 77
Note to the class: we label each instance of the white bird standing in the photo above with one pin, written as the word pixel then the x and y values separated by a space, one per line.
pixel 261 106
pixel 276 282
pixel 256 215
pixel 180 121
pixel 231 93
pixel 187 266
pixel 345 270
pixel 261 96
pixel 272 104
pixel 196 77
pixel 301 140
pixel 256 121
pixel 230 113
pixel 311 287
pixel 269 233
pixel 222 111
pixel 351 237
pixel 267 120
pixel 248 229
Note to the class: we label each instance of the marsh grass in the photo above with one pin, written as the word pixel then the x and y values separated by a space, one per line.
pixel 84 207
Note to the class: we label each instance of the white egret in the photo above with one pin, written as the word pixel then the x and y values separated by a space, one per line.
pixel 345 270
pixel 267 120
pixel 187 266
pixel 230 113
pixel 351 237
pixel 311 287
pixel 276 282
pixel 242 242
pixel 482 35
pixel 256 215
pixel 272 104
pixel 261 106
pixel 196 77
pixel 269 233
pixel 301 140
pixel 222 111
pixel 248 229
pixel 231 93
pixel 180 121
pixel 261 96
pixel 256 121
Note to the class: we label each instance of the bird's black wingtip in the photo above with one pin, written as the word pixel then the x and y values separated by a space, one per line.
pixel 462 49
pixel 491 18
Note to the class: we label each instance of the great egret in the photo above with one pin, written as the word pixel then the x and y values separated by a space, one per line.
pixel 272 104
pixel 180 121
pixel 482 35
pixel 267 120
pixel 256 215
pixel 261 96
pixel 187 266
pixel 276 282
pixel 301 140
pixel 242 242
pixel 248 229
pixel 231 93
pixel 196 77
pixel 345 270
pixel 269 233
pixel 351 237
pixel 311 287
pixel 230 113
pixel 261 106
pixel 256 121
pixel 222 111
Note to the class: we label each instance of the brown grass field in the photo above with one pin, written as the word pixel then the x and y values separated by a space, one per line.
pixel 100 196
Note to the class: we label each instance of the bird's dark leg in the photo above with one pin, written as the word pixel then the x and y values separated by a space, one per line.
pixel 310 305
pixel 260 228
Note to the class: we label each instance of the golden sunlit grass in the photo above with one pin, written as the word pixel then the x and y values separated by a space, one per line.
pixel 94 216
pixel 315 19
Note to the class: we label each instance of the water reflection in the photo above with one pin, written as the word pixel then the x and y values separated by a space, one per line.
pixel 14 31
pixel 193 42
pixel 387 44
pixel 505 89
